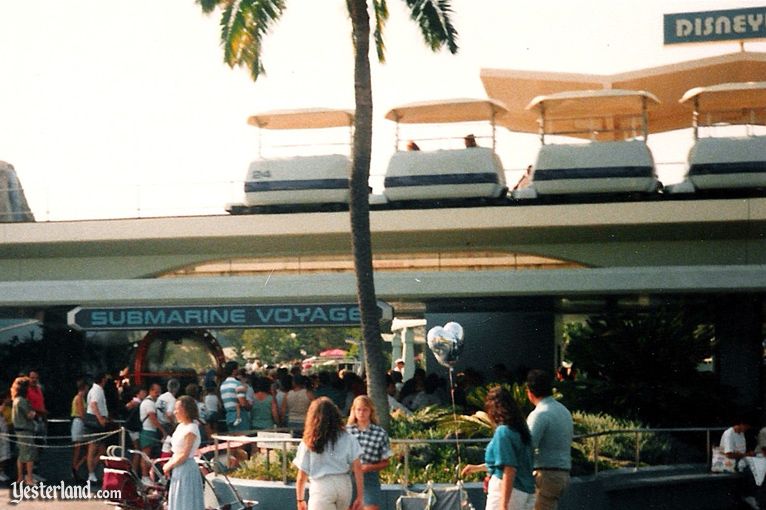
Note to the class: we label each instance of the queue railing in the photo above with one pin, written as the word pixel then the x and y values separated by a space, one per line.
pixel 282 444
pixel 637 433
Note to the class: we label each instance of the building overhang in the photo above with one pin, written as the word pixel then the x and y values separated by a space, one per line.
pixel 391 287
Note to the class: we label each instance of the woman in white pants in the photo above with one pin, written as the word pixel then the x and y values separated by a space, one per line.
pixel 508 457
pixel 325 457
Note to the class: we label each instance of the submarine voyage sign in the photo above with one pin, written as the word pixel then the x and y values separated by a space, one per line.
pixel 218 317
pixel 722 25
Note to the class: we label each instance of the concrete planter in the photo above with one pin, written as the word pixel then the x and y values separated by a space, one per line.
pixel 282 496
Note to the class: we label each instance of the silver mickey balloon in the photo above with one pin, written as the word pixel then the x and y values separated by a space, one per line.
pixel 445 344
pixel 456 329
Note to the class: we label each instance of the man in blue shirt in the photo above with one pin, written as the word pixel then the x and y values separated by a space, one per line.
pixel 552 429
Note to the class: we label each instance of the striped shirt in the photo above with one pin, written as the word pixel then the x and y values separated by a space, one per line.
pixel 229 393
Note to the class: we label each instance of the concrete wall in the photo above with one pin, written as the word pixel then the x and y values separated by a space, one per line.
pixel 740 350
pixel 658 488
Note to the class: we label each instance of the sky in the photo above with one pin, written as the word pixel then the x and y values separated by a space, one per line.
pixel 125 108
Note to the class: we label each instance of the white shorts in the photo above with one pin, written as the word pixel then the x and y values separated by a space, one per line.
pixel 519 500
pixel 331 492
pixel 78 430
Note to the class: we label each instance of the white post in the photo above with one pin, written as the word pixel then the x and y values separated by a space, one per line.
pixel 408 341
pixel 396 348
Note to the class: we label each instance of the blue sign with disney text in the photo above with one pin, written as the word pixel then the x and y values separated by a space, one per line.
pixel 708 26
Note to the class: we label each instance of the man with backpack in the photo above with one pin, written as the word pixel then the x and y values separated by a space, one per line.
pixel 133 422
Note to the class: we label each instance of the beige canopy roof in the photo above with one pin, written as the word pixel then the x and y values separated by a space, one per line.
pixel 610 114
pixel 306 118
pixel 727 96
pixel 448 110
pixel 584 103
pixel 517 88
pixel 729 103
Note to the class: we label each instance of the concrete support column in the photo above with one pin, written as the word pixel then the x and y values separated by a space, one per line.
pixel 408 354
pixel 740 350
pixel 396 348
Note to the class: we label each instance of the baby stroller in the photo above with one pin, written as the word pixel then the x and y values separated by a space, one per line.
pixel 220 493
pixel 435 498
pixel 134 493
pixel 449 498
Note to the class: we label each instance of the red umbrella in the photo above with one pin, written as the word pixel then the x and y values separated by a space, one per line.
pixel 333 353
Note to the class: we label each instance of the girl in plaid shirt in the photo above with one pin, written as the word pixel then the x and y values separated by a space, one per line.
pixel 376 450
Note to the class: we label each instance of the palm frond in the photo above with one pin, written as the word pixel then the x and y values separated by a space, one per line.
pixel 381 16
pixel 471 426
pixel 209 6
pixel 243 25
pixel 433 18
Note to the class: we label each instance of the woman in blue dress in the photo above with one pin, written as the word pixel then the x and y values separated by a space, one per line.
pixel 508 457
pixel 185 478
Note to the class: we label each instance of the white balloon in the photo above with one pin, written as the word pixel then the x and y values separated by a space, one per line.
pixel 456 330
pixel 436 331
pixel 445 344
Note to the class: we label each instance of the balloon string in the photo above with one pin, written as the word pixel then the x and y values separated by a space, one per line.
pixel 454 417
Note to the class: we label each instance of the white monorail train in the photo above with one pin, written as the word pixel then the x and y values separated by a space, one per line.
pixel 615 164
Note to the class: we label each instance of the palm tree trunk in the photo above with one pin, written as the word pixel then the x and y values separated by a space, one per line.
pixel 360 211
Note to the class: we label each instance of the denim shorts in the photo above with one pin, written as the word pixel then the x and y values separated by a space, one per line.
pixel 372 492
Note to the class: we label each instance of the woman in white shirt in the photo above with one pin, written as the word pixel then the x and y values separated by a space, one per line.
pixel 185 478
pixel 325 456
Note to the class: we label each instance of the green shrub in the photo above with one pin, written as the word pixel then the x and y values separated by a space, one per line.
pixel 258 467
pixel 617 447
pixel 439 462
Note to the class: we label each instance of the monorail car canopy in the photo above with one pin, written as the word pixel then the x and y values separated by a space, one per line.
pixel 448 111
pixel 303 118
pixel 733 103
pixel 594 114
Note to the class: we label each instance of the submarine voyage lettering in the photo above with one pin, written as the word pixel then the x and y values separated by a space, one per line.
pixel 722 25
pixel 235 316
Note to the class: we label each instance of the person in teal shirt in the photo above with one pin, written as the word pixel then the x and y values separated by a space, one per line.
pixel 508 457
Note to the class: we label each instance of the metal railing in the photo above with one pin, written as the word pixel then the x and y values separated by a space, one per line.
pixel 408 443
pixel 638 434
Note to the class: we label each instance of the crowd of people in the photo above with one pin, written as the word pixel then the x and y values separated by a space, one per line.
pixel 527 461
pixel 331 413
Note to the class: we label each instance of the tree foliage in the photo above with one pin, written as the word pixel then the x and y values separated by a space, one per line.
pixel 275 346
pixel 644 366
